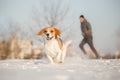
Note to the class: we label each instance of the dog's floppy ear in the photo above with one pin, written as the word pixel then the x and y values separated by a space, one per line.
pixel 41 31
pixel 57 31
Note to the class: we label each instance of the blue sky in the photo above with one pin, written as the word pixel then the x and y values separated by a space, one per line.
pixel 104 16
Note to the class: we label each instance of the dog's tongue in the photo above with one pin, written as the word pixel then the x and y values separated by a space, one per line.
pixel 48 38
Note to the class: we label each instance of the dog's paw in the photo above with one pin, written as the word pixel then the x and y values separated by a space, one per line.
pixel 61 62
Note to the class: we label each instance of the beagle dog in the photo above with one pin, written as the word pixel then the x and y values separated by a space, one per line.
pixel 55 49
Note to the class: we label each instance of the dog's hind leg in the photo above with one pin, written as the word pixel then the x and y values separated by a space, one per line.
pixel 64 50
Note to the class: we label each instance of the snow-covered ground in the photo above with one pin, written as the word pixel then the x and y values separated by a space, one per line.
pixel 74 68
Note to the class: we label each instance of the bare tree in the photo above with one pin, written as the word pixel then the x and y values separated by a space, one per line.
pixel 55 13
pixel 2 33
pixel 18 30
pixel 118 38
pixel 50 13
pixel 13 29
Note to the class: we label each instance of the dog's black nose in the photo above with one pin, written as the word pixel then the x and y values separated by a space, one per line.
pixel 47 34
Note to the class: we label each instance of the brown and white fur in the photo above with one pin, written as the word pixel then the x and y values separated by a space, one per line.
pixel 55 49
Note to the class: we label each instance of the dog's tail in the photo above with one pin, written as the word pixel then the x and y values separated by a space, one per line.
pixel 67 44
pixel 64 49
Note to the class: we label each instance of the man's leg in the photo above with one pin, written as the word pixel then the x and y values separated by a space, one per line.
pixel 90 43
pixel 81 45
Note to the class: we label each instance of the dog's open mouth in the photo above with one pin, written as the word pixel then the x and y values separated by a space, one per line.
pixel 49 38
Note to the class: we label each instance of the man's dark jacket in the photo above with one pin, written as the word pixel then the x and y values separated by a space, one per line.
pixel 86 29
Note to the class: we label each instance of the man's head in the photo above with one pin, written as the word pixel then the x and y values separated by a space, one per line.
pixel 82 18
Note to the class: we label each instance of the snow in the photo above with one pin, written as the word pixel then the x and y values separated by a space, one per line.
pixel 74 68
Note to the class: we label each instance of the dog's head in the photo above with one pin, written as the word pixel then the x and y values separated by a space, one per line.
pixel 50 32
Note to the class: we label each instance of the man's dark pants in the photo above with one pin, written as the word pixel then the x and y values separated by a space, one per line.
pixel 89 41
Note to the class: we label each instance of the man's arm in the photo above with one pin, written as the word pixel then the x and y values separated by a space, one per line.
pixel 89 29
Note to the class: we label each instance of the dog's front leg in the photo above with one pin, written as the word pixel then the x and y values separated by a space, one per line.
pixel 58 57
pixel 51 59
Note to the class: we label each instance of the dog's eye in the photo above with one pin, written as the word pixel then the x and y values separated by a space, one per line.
pixel 51 31
pixel 45 31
